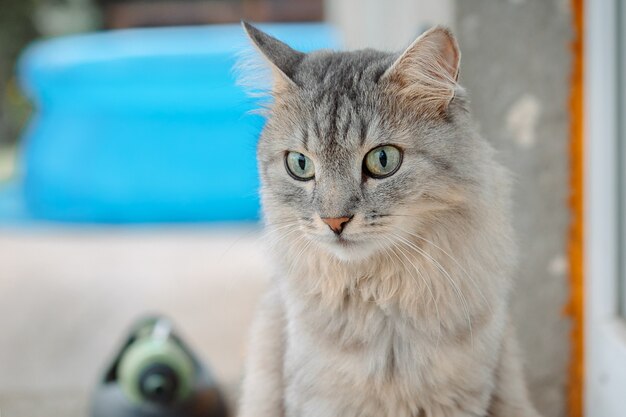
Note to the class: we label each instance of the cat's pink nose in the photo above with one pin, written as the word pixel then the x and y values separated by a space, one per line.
pixel 337 224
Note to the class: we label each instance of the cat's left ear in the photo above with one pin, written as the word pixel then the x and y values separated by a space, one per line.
pixel 281 57
pixel 428 70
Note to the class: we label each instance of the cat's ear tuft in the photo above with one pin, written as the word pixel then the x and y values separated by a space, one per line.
pixel 281 57
pixel 428 70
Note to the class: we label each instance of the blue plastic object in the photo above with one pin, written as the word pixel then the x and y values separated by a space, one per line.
pixel 145 125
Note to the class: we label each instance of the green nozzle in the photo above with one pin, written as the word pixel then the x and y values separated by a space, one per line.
pixel 156 369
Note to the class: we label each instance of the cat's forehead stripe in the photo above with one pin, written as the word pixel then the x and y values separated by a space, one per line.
pixel 341 87
pixel 334 119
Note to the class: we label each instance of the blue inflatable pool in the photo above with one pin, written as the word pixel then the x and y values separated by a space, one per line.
pixel 145 125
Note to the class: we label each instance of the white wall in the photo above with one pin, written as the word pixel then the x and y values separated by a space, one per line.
pixel 386 24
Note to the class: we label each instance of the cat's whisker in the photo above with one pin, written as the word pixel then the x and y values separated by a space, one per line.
pixel 274 241
pixel 267 231
pixel 297 259
pixel 277 224
pixel 296 243
pixel 276 238
pixel 424 279
pixel 236 241
pixel 295 262
pixel 270 238
pixel 451 280
pixel 385 250
pixel 391 260
pixel 472 280
pixel 281 225
pixel 430 291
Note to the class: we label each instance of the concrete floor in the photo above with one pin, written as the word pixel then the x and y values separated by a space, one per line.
pixel 67 298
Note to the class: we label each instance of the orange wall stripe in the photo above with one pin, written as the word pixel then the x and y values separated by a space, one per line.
pixel 575 306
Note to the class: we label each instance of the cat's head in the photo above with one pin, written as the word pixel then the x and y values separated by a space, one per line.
pixel 361 148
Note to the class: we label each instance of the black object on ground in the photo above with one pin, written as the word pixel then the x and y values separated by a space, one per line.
pixel 156 375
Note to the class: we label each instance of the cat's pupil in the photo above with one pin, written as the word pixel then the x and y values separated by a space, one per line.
pixel 382 157
pixel 301 162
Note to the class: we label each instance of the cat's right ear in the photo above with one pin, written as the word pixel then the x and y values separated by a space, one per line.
pixel 281 57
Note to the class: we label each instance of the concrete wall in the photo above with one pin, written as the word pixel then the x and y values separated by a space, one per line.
pixel 516 66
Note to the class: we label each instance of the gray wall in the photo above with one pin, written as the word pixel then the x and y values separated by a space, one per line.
pixel 516 66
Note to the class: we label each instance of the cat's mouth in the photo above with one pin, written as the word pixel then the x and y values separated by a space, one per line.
pixel 341 240
pixel 347 248
pixel 346 244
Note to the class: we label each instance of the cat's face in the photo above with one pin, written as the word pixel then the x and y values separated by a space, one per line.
pixel 351 158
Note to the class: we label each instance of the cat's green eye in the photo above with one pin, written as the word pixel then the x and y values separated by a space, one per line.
pixel 299 166
pixel 382 162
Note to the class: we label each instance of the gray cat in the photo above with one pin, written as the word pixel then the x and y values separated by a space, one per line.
pixel 389 225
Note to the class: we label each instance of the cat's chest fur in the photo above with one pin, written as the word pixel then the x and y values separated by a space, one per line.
pixel 384 360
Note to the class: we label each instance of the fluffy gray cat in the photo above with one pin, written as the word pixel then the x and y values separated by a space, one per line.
pixel 388 222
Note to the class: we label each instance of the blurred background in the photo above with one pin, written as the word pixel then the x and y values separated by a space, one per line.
pixel 113 202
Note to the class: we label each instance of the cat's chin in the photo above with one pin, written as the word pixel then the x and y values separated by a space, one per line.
pixel 350 251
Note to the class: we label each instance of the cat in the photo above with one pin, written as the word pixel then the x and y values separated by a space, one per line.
pixel 388 224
